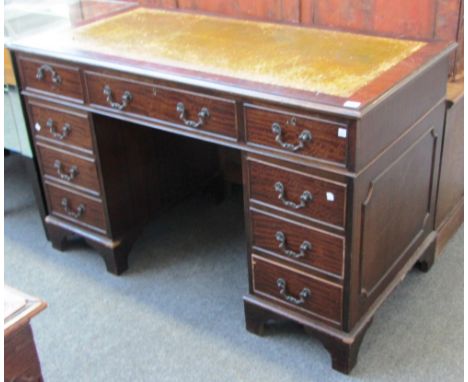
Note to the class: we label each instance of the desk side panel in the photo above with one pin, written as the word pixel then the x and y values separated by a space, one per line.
pixel 393 213
pixel 398 111
pixel 451 171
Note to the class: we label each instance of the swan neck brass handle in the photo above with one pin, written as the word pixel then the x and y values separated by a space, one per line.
pixel 305 198
pixel 53 131
pixel 125 100
pixel 80 210
pixel 281 239
pixel 40 74
pixel 304 137
pixel 203 115
pixel 68 177
pixel 303 295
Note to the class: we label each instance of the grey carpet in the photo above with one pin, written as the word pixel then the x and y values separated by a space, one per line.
pixel 177 314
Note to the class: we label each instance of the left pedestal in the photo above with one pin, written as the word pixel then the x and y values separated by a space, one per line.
pixel 65 145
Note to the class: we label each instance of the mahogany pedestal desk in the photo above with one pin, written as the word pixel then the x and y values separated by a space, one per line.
pixel 339 134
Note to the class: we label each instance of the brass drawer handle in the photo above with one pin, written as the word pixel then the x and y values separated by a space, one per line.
pixel 53 131
pixel 74 214
pixel 126 98
pixel 72 172
pixel 304 199
pixel 303 295
pixel 304 136
pixel 202 116
pixel 40 74
pixel 281 239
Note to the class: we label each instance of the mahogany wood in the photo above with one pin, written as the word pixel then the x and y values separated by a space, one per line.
pixel 155 172
pixel 324 301
pixel 230 165
pixel 86 178
pixel 388 120
pixel 326 252
pixel 93 216
pixel 114 252
pixel 450 226
pixel 21 359
pixel 79 137
pixel 264 176
pixel 69 85
pixel 344 354
pixel 160 103
pixel 393 213
pixel 343 350
pixel 450 195
pixel 325 142
pixel 451 172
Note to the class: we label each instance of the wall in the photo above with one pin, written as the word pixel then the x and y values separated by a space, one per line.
pixel 419 19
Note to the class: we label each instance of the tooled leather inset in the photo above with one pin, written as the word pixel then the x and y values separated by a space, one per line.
pixel 330 62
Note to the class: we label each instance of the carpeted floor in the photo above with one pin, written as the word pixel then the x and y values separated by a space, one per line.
pixel 177 314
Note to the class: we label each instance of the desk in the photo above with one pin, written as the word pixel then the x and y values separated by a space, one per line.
pixel 340 136
pixel 21 360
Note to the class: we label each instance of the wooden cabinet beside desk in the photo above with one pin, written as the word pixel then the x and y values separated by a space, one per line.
pixel 339 190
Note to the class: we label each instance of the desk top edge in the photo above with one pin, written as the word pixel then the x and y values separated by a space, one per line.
pixel 363 99
pixel 29 308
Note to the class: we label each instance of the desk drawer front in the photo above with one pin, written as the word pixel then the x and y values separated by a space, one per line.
pixel 190 110
pixel 69 169
pixel 300 245
pixel 296 133
pixel 75 207
pixel 297 193
pixel 45 76
pixel 297 290
pixel 61 126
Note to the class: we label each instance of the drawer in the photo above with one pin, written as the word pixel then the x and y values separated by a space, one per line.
pixel 73 170
pixel 76 207
pixel 194 111
pixel 60 126
pixel 290 132
pixel 297 290
pixel 299 244
pixel 61 80
pixel 297 193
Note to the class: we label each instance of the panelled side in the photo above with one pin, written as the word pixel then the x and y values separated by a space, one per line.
pixel 393 212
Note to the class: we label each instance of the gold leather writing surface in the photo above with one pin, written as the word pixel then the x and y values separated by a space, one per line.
pixel 316 60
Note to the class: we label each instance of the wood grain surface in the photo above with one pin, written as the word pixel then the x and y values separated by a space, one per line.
pixel 93 216
pixel 69 85
pixel 324 302
pixel 325 143
pixel 158 102
pixel 326 252
pixel 79 137
pixel 86 177
pixel 263 178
